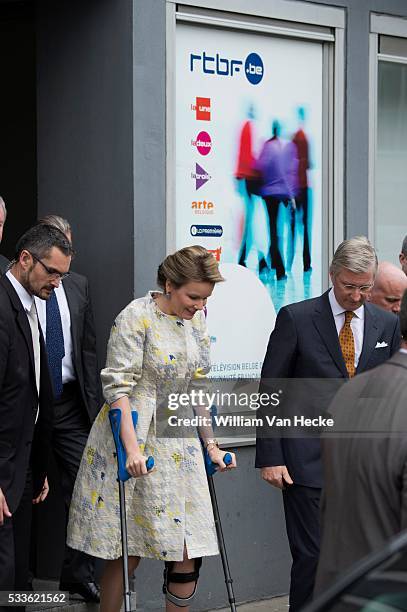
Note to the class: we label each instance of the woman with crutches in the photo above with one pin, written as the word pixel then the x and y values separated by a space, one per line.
pixel 158 345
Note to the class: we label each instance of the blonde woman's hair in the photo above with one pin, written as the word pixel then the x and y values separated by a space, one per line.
pixel 193 263
pixel 356 255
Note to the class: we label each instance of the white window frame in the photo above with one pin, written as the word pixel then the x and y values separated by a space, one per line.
pixel 389 26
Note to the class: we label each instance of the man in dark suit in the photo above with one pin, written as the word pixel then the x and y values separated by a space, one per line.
pixel 4 262
pixel 43 257
pixel 333 336
pixel 364 502
pixel 67 324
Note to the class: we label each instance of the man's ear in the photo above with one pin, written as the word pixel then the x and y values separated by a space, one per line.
pixel 25 260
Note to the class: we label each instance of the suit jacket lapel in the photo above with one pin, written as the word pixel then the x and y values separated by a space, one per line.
pixel 370 337
pixel 21 318
pixel 325 324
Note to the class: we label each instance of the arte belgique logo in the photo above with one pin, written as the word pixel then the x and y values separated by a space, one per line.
pixel 219 65
pixel 208 231
pixel 203 207
pixel 202 108
pixel 203 143
pixel 201 176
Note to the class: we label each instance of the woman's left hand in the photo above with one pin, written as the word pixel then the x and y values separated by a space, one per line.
pixel 216 455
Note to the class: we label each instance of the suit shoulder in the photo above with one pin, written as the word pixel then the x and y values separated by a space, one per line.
pixel 305 307
pixel 6 308
pixel 4 297
pixel 76 279
pixel 385 316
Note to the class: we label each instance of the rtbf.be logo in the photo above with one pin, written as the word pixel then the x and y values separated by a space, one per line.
pixel 203 143
pixel 223 66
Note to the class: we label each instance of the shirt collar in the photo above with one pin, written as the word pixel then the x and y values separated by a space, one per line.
pixel 337 309
pixel 25 298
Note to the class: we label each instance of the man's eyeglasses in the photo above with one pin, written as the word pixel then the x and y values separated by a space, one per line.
pixel 52 273
pixel 361 288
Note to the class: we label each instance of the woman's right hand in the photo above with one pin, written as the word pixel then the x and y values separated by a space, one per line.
pixel 136 464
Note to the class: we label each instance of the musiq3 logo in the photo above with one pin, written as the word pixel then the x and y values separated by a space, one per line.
pixel 223 66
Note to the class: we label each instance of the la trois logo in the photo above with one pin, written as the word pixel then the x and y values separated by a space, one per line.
pixel 202 109
pixel 223 66
pixel 201 176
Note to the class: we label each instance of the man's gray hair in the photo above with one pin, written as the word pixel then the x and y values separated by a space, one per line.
pixel 356 255
pixel 3 206
pixel 58 222
pixel 404 246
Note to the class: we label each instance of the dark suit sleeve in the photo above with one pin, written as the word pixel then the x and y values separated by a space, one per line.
pixel 396 339
pixel 91 375
pixel 5 450
pixel 4 263
pixel 279 362
pixel 403 494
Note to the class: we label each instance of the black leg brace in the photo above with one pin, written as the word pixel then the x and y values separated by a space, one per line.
pixel 180 578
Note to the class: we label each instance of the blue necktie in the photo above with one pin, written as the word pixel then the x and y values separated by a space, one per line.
pixel 55 343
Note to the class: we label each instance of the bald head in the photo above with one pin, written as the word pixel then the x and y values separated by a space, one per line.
pixel 389 286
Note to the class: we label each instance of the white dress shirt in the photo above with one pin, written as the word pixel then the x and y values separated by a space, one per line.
pixel 25 298
pixel 357 324
pixel 68 371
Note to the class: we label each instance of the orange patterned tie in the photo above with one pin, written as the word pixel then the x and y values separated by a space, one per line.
pixel 347 343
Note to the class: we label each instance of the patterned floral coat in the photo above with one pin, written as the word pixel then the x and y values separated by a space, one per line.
pixel 150 354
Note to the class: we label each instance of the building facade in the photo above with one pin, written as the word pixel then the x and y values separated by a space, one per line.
pixel 93 118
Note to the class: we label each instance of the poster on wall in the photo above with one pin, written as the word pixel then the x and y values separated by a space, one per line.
pixel 248 179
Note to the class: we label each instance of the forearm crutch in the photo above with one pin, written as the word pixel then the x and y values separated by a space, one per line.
pixel 210 471
pixel 115 415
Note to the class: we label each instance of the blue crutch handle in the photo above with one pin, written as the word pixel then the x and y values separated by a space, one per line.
pixel 115 417
pixel 211 467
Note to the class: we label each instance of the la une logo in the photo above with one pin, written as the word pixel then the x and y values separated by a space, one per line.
pixel 202 108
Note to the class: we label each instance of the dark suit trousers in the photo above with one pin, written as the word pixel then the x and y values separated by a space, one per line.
pixel 70 433
pixel 15 546
pixel 301 507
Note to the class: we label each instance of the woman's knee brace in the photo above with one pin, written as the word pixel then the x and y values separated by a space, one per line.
pixel 179 578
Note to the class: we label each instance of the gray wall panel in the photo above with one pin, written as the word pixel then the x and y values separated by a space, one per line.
pixel 149 142
pixel 85 140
